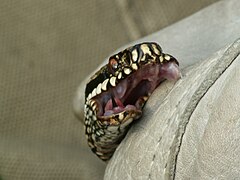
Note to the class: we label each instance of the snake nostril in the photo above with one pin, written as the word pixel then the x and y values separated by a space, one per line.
pixel 113 65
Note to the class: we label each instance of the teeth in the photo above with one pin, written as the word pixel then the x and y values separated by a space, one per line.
pixel 104 84
pixel 94 107
pixel 99 88
pixel 134 55
pixel 134 66
pixel 121 116
pixel 145 98
pixel 94 93
pixel 120 75
pixel 113 81
pixel 92 103
pixel 127 71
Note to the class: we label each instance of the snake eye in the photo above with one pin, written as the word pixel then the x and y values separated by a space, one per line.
pixel 113 64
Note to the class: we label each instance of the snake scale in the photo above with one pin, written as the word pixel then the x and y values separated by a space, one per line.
pixel 116 94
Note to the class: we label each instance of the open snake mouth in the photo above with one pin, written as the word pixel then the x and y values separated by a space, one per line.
pixel 116 94
pixel 131 93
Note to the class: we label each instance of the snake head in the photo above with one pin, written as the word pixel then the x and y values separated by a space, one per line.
pixel 121 88
pixel 115 95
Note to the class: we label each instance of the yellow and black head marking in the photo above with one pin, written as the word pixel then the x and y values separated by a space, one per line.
pixel 116 94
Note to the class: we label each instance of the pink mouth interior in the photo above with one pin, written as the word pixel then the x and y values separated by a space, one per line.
pixel 128 94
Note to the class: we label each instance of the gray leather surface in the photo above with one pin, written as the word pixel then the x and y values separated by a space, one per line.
pixel 210 146
pixel 47 48
pixel 150 149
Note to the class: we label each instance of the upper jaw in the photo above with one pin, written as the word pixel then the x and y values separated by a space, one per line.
pixel 131 93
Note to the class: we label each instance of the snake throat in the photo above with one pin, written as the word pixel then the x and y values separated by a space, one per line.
pixel 116 94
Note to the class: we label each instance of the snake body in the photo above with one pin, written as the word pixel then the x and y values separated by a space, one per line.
pixel 116 94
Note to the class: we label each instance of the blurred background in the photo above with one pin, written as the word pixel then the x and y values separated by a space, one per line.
pixel 46 49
